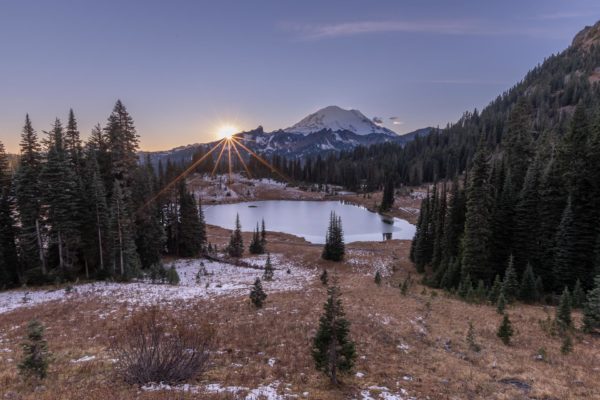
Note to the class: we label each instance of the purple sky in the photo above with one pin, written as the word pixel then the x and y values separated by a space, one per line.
pixel 185 68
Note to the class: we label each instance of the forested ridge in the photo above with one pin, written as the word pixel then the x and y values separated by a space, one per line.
pixel 90 209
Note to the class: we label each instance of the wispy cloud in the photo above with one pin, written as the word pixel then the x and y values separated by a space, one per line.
pixel 440 27
pixel 396 121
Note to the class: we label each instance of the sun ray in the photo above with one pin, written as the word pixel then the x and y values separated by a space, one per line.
pixel 229 157
pixel 242 160
pixel 218 159
pixel 263 161
pixel 180 176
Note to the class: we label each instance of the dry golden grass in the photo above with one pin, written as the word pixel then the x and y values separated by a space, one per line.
pixel 415 342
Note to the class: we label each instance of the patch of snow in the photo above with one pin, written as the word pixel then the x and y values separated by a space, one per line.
pixel 272 362
pixel 83 359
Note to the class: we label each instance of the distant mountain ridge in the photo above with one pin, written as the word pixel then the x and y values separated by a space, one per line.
pixel 330 129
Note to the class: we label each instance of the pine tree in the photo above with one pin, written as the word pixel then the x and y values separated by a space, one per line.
pixel 578 295
pixel 72 141
pixel 236 242
pixel 387 200
pixel 35 352
pixel 9 262
pixel 5 174
pixel 563 311
pixel 334 248
pixel 495 291
pixel 565 253
pixel 60 186
pixel 125 260
pixel 268 274
pixel 28 196
pixel 333 350
pixel 527 291
pixel 378 278
pixel 191 230
pixel 505 331
pixel 591 311
pixel 263 236
pixel 518 141
pixel 477 223
pixel 510 284
pixel 471 341
pixel 324 277
pixel 257 294
pixel 256 245
pixel 501 304
pixel 123 143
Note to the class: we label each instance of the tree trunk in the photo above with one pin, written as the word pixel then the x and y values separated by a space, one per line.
pixel 39 241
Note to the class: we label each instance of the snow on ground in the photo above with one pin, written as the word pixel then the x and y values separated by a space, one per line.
pixel 369 263
pixel 198 279
pixel 382 392
pixel 263 392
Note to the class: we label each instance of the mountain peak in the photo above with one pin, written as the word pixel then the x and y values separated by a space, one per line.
pixel 335 118
pixel 587 37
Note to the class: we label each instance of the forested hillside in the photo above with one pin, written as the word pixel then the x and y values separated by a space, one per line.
pixel 72 209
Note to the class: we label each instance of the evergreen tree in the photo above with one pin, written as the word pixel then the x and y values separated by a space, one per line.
pixel 122 141
pixel 505 331
pixel 477 221
pixel 257 294
pixel 27 191
pixel 263 236
pixel 501 304
pixel 5 174
pixel 9 263
pixel 60 185
pixel 125 260
pixel 518 141
pixel 578 295
pixel 495 290
pixel 387 200
pixel 236 242
pixel 378 278
pixel 528 291
pixel 510 284
pixel 35 352
pixel 565 253
pixel 591 311
pixel 563 311
pixel 333 350
pixel 256 245
pixel 191 227
pixel 72 142
pixel 324 277
pixel 471 339
pixel 268 274
pixel 334 248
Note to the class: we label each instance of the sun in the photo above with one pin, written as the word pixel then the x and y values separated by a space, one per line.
pixel 226 131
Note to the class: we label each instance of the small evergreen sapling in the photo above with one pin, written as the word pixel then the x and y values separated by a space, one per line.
pixel 333 350
pixel 471 338
pixel 510 284
pixel 257 294
pixel 494 293
pixel 172 277
pixel 563 311
pixel 578 299
pixel 35 352
pixel 378 278
pixel 268 274
pixel 505 330
pixel 501 304
pixel 324 277
pixel 256 245
pixel 527 291
pixel 236 242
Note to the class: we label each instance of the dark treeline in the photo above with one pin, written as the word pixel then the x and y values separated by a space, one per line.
pixel 90 209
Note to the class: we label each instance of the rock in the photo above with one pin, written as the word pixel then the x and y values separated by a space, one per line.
pixel 519 384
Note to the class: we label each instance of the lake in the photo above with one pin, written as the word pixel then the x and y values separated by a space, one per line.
pixel 309 219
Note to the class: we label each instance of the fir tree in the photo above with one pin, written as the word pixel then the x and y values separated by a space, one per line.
pixel 567 344
pixel 257 294
pixel 27 191
pixel 324 277
pixel 9 263
pixel 565 253
pixel 387 200
pixel 501 304
pixel 591 311
pixel 477 223
pixel 236 242
pixel 505 331
pixel 191 230
pixel 563 311
pixel 333 350
pixel 72 141
pixel 334 248
pixel 263 236
pixel 471 341
pixel 268 274
pixel 171 276
pixel 125 260
pixel 527 291
pixel 510 284
pixel 35 352
pixel 495 291
pixel 378 278
pixel 123 143
pixel 256 245
pixel 578 295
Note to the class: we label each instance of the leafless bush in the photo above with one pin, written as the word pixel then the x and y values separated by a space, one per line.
pixel 156 347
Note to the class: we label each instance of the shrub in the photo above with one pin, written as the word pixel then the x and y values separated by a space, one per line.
pixel 157 273
pixel 172 277
pixel 377 278
pixel 324 277
pixel 257 294
pixel 154 346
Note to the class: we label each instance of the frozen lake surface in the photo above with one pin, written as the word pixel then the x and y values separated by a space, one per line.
pixel 309 219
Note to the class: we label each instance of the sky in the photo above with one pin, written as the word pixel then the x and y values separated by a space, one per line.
pixel 186 68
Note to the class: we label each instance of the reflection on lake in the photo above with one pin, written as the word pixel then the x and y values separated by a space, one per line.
pixel 309 219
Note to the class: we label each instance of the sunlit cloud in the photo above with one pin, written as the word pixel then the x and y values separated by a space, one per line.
pixel 396 121
pixel 440 27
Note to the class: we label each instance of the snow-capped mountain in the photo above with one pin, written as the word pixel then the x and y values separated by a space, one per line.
pixel 334 118
pixel 331 129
